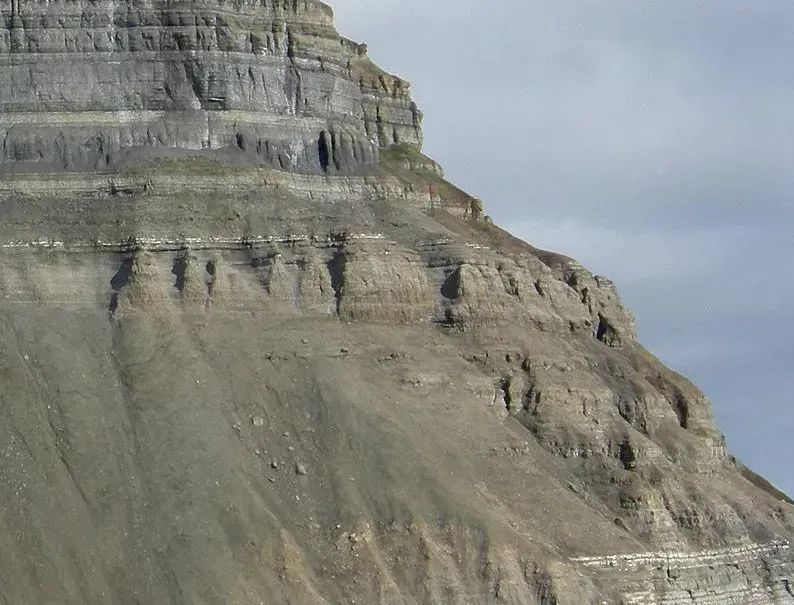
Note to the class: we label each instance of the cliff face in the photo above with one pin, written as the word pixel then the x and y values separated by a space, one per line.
pixel 257 350
pixel 87 84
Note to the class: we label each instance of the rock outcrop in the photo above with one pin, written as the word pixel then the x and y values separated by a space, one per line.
pixel 88 84
pixel 256 349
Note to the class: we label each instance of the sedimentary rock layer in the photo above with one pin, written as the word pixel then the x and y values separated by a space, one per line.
pixel 85 84
pixel 256 349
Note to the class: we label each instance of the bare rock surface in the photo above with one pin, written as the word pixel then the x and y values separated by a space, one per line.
pixel 256 349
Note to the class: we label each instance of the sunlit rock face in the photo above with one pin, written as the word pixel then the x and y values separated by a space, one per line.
pixel 87 83
pixel 256 349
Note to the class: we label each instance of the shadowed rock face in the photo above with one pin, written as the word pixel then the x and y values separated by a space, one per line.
pixel 255 348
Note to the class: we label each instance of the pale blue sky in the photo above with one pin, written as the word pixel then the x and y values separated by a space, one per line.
pixel 653 141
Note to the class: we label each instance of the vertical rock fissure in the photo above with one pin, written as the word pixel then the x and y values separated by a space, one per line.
pixel 336 268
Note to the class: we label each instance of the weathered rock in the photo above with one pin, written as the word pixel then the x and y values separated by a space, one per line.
pixel 89 84
pixel 214 213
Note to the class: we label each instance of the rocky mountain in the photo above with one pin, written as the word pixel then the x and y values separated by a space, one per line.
pixel 256 349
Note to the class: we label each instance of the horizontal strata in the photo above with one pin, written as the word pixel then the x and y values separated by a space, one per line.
pixel 688 559
pixel 374 279
pixel 71 62
pixel 222 80
pixel 230 195
pixel 114 24
pixel 203 243
pixel 145 182
pixel 192 243
pixel 749 574
pixel 129 116
pixel 79 145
